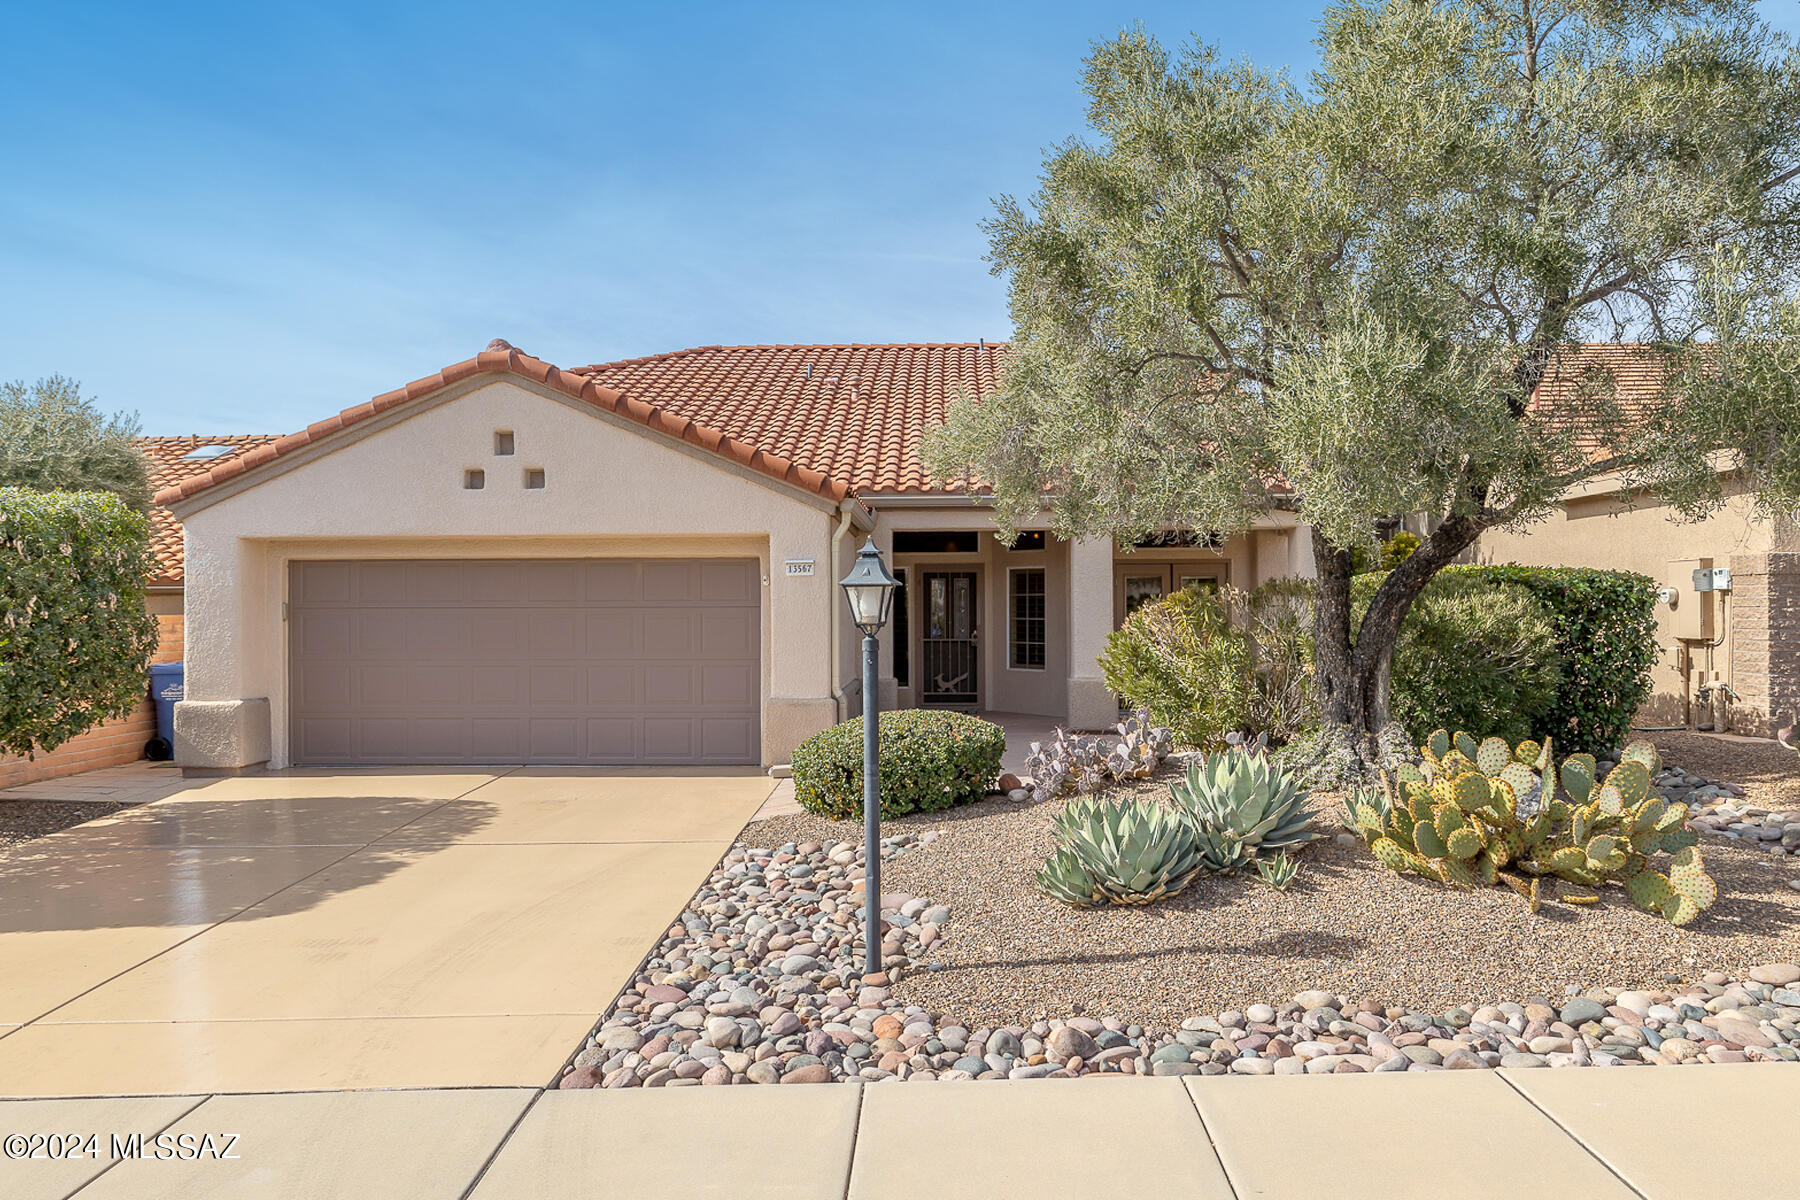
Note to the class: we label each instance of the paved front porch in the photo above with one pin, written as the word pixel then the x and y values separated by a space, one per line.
pixel 345 929
pixel 1508 1133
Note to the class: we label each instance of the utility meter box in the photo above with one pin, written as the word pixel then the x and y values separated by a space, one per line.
pixel 1692 612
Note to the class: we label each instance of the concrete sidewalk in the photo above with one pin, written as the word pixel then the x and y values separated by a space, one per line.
pixel 1640 1132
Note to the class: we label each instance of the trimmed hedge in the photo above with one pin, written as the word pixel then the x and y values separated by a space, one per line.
pixel 1605 628
pixel 930 759
pixel 75 637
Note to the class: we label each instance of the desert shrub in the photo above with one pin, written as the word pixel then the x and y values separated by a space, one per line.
pixel 75 637
pixel 1473 654
pixel 1183 659
pixel 1284 698
pixel 930 759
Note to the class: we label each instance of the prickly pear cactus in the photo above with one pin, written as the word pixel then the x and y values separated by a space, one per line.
pixel 1477 812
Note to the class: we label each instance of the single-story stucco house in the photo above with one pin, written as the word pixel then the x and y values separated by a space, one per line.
pixel 633 562
pixel 636 562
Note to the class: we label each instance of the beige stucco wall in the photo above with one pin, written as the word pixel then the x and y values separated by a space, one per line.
pixel 1600 530
pixel 395 490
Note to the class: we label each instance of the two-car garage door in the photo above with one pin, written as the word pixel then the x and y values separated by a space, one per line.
pixel 607 661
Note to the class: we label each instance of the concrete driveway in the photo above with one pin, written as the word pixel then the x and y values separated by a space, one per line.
pixel 346 929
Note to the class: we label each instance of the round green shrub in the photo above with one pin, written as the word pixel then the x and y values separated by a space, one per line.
pixel 930 759
pixel 1473 653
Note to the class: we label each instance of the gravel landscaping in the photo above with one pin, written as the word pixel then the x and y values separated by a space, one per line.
pixel 1351 969
pixel 23 820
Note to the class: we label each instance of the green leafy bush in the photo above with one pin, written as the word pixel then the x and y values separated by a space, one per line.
pixel 1183 659
pixel 930 759
pixel 1604 629
pixel 1473 653
pixel 75 637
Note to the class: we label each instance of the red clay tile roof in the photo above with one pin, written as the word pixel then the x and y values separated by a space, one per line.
pixel 853 425
pixel 1637 374
pixel 169 464
pixel 851 413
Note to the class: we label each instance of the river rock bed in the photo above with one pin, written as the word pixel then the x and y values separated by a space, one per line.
pixel 760 982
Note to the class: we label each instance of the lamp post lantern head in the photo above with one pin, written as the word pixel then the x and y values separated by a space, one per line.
pixel 869 588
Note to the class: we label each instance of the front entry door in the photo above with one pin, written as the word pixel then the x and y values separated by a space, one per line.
pixel 948 637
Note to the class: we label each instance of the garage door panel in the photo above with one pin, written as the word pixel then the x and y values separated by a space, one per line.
pixel 553 686
pixel 554 739
pixel 322 583
pixel 593 661
pixel 667 686
pixel 549 632
pixel 611 582
pixel 728 582
pixel 380 632
pixel 727 739
pixel 327 739
pixel 383 583
pixel 495 635
pixel 323 685
pixel 614 686
pixel 614 632
pixel 670 634
pixel 495 582
pixel 325 632
pixel 553 582
pixel 613 739
pixel 669 739
pixel 727 685
pixel 497 739
pixel 728 633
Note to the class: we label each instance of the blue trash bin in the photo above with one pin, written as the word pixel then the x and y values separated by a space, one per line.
pixel 165 689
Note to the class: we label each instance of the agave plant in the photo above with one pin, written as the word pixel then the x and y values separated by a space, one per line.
pixel 1278 871
pixel 1246 795
pixel 1130 852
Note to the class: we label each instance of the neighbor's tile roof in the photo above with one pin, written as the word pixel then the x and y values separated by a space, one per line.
pixel 852 424
pixel 1636 375
pixel 167 466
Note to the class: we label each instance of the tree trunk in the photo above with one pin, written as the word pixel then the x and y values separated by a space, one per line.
pixel 1354 675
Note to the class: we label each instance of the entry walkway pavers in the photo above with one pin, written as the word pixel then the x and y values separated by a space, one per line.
pixel 1465 1134
pixel 346 929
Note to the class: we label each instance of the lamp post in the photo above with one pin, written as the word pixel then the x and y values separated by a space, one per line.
pixel 870 590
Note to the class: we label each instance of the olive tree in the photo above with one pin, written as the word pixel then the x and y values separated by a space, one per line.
pixel 54 439
pixel 1241 294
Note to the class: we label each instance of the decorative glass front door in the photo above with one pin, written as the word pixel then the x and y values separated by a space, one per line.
pixel 948 638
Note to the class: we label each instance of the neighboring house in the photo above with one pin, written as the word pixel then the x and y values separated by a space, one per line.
pixel 1744 635
pixel 633 562
pixel 122 741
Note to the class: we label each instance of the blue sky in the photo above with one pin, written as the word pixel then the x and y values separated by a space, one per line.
pixel 243 217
